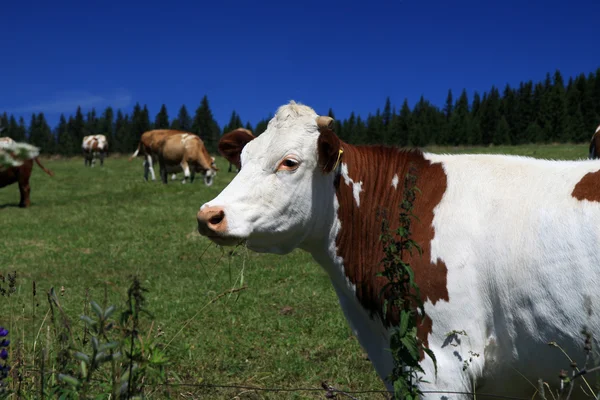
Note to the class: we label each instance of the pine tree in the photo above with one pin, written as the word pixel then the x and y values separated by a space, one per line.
pixel 474 135
pixel 14 131
pixel 234 122
pixel 40 134
pixel 106 126
pixel 261 126
pixel 502 132
pixel 459 121
pixel 489 115
pixel 162 118
pixel 535 133
pixel 386 117
pixel 205 126
pixel 67 143
pixel 4 124
pixel 91 124
pixel 123 134
pixel 508 109
pixel 77 126
pixel 248 126
pixel 449 105
pixel 524 112
pixel 183 122
pixel 22 131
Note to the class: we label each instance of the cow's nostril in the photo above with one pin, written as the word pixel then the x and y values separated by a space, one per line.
pixel 217 219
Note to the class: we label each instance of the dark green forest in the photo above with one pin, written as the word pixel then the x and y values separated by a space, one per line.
pixel 548 111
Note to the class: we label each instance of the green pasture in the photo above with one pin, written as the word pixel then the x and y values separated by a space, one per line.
pixel 89 229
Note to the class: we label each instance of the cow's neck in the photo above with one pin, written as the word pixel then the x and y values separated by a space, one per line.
pixel 369 184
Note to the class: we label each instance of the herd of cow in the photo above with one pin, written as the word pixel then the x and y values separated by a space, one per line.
pixel 509 258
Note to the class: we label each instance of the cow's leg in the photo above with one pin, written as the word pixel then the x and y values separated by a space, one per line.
pixel 102 159
pixel 151 166
pixel 192 176
pixel 24 188
pixel 186 171
pixel 229 170
pixel 163 171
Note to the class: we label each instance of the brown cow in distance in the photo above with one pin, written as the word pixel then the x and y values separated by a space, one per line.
pixel 236 132
pixel 185 152
pixel 20 174
pixel 595 145
pixel 149 145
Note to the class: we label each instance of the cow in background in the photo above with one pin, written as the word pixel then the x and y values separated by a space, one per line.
pixel 148 147
pixel 18 163
pixel 239 131
pixel 94 146
pixel 185 152
pixel 595 145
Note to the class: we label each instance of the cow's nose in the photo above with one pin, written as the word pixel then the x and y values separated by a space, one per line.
pixel 211 220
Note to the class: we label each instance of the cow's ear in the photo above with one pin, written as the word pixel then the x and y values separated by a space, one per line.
pixel 329 145
pixel 232 143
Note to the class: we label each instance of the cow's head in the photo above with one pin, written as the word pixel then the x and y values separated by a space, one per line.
pixel 282 198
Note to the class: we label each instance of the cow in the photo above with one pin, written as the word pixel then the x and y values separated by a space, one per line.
pixel 242 131
pixel 94 146
pixel 20 157
pixel 594 151
pixel 509 245
pixel 149 146
pixel 185 152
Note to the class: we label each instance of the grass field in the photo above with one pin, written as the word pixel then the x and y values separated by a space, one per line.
pixel 90 229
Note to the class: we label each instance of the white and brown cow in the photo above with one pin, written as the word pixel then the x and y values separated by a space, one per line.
pixel 16 164
pixel 185 152
pixel 93 147
pixel 149 146
pixel 510 245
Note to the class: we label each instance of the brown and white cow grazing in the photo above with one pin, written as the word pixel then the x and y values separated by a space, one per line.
pixel 595 144
pixel 185 152
pixel 149 145
pixel 93 147
pixel 17 166
pixel 510 245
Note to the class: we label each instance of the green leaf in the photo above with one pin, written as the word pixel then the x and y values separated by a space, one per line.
pixel 84 369
pixel 69 379
pixel 404 320
pixel 109 311
pixel 95 343
pixel 81 357
pixel 410 346
pixel 108 346
pixel 87 320
pixel 97 309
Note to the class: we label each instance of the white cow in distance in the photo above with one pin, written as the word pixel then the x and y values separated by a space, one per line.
pixel 93 147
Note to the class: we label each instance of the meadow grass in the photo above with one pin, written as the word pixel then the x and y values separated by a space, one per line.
pixel 89 229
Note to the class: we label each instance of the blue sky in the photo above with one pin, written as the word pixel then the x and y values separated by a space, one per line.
pixel 253 56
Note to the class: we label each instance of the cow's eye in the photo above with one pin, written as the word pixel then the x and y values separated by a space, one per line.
pixel 288 164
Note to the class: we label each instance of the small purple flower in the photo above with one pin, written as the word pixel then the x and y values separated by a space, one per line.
pixel 3 354
pixel 4 342
pixel 3 331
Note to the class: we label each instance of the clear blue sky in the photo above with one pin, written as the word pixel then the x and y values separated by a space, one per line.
pixel 253 56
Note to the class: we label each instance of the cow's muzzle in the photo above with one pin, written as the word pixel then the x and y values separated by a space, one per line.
pixel 212 223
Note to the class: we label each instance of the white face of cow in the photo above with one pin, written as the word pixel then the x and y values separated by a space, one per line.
pixel 278 198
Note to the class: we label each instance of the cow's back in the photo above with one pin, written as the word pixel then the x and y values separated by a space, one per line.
pixel 523 256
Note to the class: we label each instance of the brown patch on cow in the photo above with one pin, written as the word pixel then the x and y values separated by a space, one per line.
pixel 588 188
pixel 358 241
pixel 232 144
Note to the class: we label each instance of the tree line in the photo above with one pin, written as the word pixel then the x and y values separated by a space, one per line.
pixel 548 111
